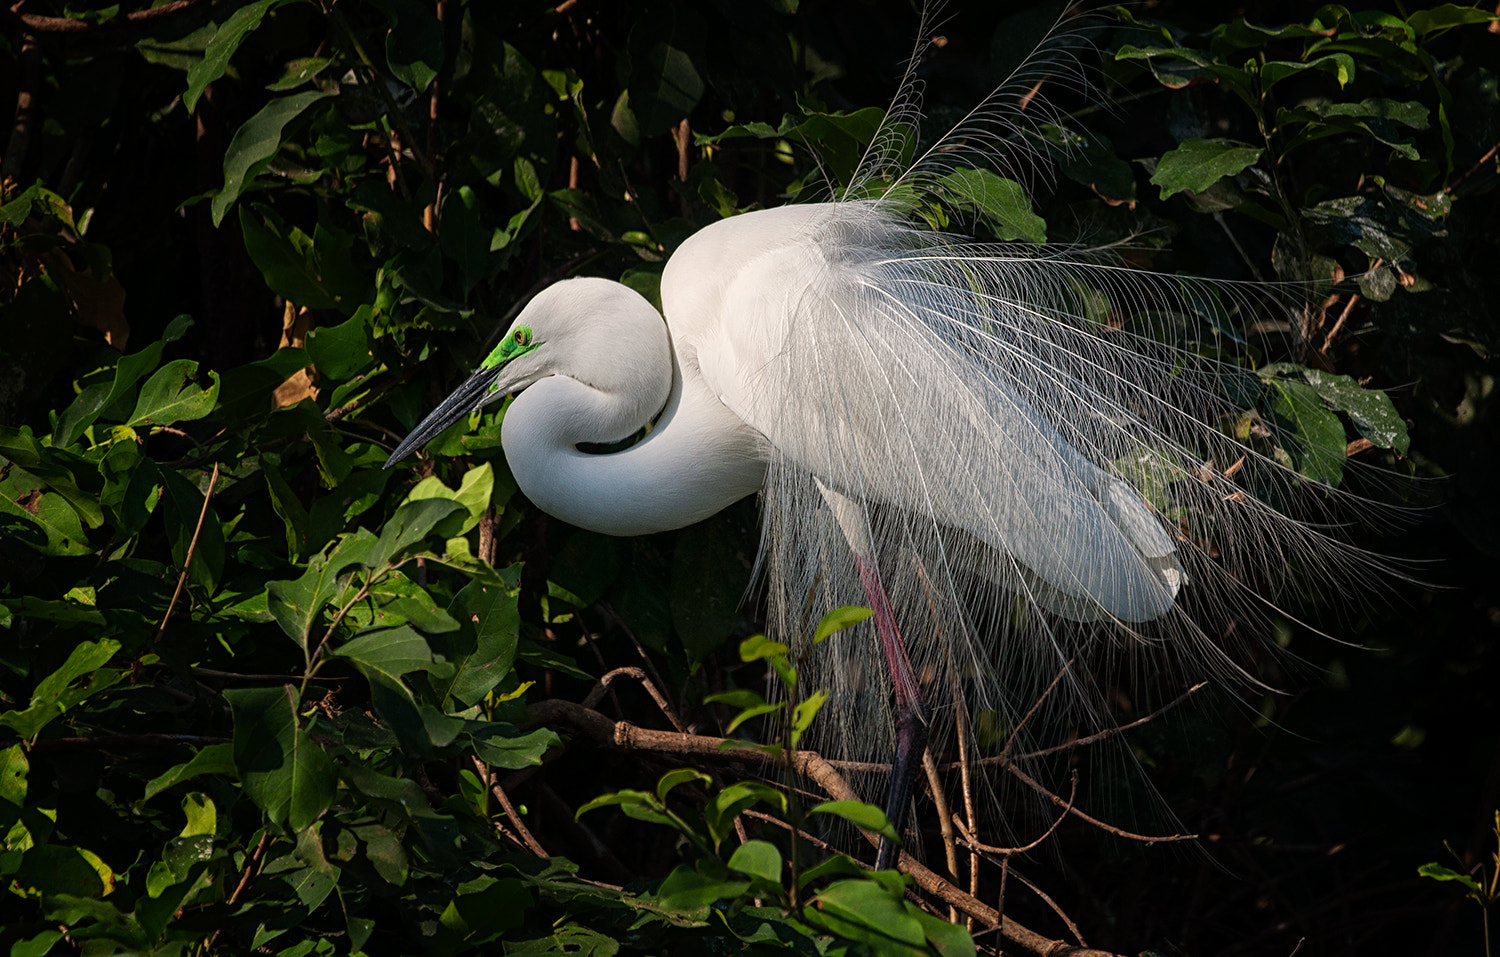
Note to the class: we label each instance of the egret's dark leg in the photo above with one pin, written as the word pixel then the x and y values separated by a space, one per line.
pixel 911 717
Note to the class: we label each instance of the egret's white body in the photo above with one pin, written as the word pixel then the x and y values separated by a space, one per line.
pixel 747 299
pixel 935 426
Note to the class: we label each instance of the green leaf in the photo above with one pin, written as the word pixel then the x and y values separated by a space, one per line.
pixel 52 528
pixel 839 140
pixel 1001 203
pixel 342 350
pixel 861 815
pixel 299 71
pixel 485 908
pixel 1445 17
pixel 54 869
pixel 280 768
pixel 748 713
pixel 867 912
pixel 726 805
pixel 90 404
pixel 414 45
pixel 1090 159
pixel 636 804
pixel 173 395
pixel 837 620
pixel 283 254
pixel 1370 410
pixel 392 652
pixel 665 85
pixel 1341 65
pixel 676 777
pixel 385 655
pixel 287 505
pixel 1438 872
pixel 255 144
pixel 13 770
pixel 38 946
pixel 226 40
pixel 1310 434
pixel 758 647
pixel 501 746
pixel 297 605
pixel 409 526
pixel 758 859
pixel 686 891
pixel 214 759
pixel 474 492
pixel 56 693
pixel 396 599
pixel 490 615
pixel 1196 165
pixel 950 940
pixel 806 710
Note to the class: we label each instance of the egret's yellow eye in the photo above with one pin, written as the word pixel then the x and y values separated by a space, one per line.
pixel 520 338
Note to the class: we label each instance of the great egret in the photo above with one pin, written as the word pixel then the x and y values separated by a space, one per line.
pixel 936 426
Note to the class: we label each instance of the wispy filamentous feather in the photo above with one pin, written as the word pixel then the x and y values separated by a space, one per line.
pixel 1046 475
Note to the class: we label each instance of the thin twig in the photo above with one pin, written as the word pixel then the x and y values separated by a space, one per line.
pixel 945 820
pixel 1036 706
pixel 510 809
pixel 338 617
pixel 187 561
pixel 1343 315
pixel 973 843
pixel 36 23
pixel 640 650
pixel 250 865
pixel 1117 831
pixel 1111 732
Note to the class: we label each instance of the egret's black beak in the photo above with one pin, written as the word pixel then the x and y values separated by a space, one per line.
pixel 465 399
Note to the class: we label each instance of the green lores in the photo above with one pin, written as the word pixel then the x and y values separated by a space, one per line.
pixel 517 343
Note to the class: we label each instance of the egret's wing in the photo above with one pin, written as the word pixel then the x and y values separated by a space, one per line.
pixel 871 370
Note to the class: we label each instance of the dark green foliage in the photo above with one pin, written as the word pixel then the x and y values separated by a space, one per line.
pixel 255 689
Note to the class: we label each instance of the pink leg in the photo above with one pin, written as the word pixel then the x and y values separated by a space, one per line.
pixel 911 720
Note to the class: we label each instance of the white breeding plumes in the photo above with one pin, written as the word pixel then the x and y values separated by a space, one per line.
pixel 949 426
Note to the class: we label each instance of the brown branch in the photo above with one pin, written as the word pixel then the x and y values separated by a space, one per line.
pixel 187 560
pixel 624 735
pixel 573 223
pixel 933 884
pixel 40 24
pixel 639 675
pixel 27 116
pixel 945 820
pixel 683 134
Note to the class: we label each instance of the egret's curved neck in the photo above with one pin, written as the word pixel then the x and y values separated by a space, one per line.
pixel 698 459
